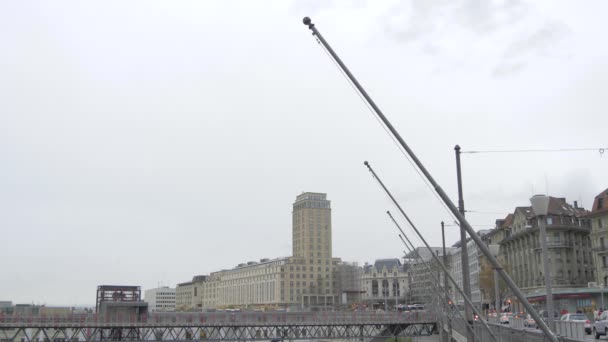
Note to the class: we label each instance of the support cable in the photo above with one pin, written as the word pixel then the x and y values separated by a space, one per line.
pixel 393 139
pixel 445 270
pixel 413 251
pixel 446 292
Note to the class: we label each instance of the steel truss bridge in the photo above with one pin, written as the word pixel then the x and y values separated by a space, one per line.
pixel 219 327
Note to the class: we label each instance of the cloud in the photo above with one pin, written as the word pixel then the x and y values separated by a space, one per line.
pixel 507 68
pixel 499 36
pixel 314 7
pixel 537 43
pixel 412 20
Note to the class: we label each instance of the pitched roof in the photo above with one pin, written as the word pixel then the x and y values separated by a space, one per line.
pixel 389 263
pixel 508 221
pixel 425 254
pixel 600 203
pixel 559 206
pixel 527 211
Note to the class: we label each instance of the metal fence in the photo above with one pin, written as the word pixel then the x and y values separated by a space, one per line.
pixel 224 318
pixel 515 331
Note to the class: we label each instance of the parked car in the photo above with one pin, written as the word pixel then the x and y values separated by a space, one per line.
pixel 504 317
pixel 601 325
pixel 578 317
pixel 529 322
pixel 544 314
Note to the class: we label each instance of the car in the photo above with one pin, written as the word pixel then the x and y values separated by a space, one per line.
pixel 504 317
pixel 529 322
pixel 578 317
pixel 600 327
pixel 544 314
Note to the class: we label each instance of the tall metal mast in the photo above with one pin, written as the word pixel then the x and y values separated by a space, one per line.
pixel 444 197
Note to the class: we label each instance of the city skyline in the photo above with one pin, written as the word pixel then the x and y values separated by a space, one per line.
pixel 148 142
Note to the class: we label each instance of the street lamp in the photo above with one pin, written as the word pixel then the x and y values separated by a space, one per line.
pixel 540 206
pixel 602 294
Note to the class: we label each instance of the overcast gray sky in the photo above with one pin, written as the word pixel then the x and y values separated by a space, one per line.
pixel 145 142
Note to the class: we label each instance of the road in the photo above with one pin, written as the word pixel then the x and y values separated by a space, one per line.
pixel 587 337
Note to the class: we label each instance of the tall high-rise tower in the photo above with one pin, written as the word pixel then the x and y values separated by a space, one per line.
pixel 312 227
pixel 312 243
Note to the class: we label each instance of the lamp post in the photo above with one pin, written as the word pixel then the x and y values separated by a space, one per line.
pixel 494 248
pixel 602 294
pixel 445 280
pixel 464 254
pixel 540 206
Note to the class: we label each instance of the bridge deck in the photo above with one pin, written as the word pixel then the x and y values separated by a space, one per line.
pixel 218 326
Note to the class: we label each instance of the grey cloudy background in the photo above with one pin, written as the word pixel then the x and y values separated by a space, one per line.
pixel 146 142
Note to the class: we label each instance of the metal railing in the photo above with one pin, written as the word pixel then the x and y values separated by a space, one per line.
pixel 241 326
pixel 516 331
pixel 570 329
pixel 225 318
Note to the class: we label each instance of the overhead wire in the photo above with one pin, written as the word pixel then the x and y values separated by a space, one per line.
pixel 443 196
pixel 601 150
pixel 484 212
pixel 415 230
pixel 393 139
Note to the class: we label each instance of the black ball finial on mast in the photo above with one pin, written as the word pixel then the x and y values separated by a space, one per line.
pixel 308 23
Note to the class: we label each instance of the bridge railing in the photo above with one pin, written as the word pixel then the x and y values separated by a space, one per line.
pixel 251 318
pixel 515 331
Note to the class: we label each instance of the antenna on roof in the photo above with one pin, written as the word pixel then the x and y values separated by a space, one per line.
pixel 532 193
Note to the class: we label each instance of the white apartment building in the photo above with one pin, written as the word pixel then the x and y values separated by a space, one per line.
pixel 420 280
pixel 160 299
pixel 474 270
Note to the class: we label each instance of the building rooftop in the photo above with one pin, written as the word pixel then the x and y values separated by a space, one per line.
pixel 388 263
pixel 317 196
pixel 600 204
pixel 425 254
pixel 557 206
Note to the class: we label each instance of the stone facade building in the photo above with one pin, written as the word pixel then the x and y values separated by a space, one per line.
pixel 569 251
pixel 599 237
pixel 385 282
pixel 312 250
pixel 568 242
pixel 306 279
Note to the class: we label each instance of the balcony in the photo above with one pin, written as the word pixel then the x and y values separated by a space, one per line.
pixel 600 249
pixel 563 225
pixel 556 244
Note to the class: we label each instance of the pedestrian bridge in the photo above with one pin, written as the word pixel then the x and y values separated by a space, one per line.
pixel 217 326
